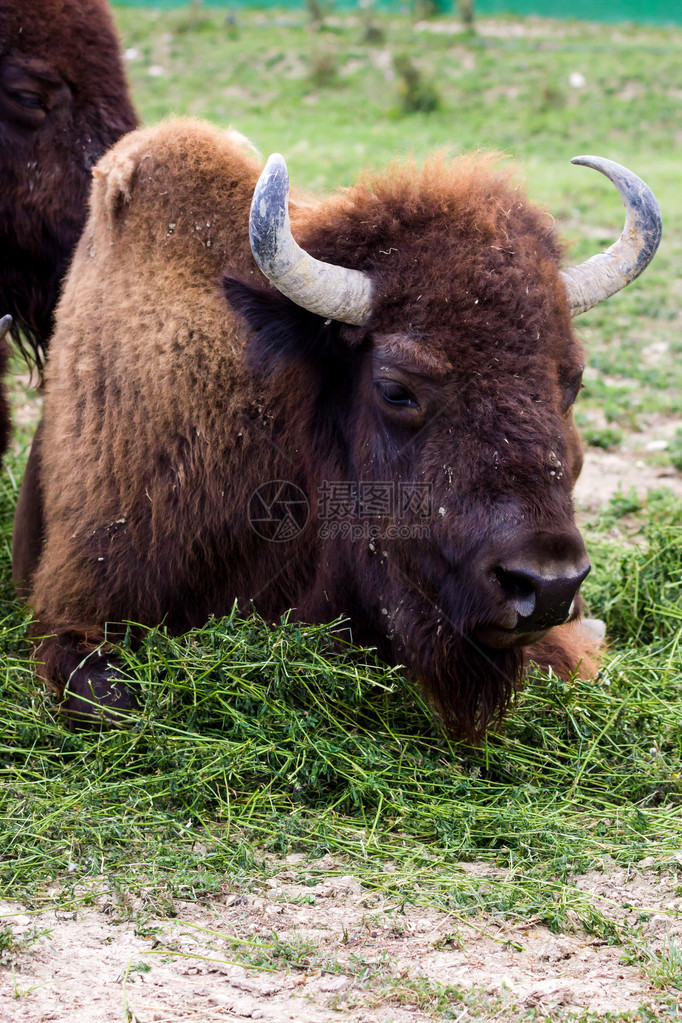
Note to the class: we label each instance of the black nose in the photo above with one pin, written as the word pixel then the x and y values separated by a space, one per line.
pixel 540 599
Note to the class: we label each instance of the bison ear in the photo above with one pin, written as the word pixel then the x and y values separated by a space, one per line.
pixel 281 329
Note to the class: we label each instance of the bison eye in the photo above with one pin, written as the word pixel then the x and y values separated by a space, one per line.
pixel 396 395
pixel 572 389
pixel 30 100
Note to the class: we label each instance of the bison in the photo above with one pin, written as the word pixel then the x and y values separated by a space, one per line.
pixel 373 421
pixel 63 102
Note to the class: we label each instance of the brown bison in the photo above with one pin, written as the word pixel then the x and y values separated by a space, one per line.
pixel 376 424
pixel 63 102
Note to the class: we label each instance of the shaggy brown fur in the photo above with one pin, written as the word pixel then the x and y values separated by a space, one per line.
pixel 164 413
pixel 63 102
pixel 566 646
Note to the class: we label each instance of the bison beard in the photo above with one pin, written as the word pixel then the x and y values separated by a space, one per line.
pixel 29 286
pixel 470 684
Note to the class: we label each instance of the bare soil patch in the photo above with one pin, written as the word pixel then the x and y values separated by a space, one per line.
pixel 604 473
pixel 350 953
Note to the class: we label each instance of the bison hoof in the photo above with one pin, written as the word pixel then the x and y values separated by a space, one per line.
pixel 96 697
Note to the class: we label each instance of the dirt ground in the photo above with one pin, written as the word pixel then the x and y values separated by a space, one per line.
pixel 372 963
pixel 605 472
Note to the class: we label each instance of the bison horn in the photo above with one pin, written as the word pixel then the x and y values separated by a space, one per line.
pixel 5 324
pixel 335 292
pixel 606 273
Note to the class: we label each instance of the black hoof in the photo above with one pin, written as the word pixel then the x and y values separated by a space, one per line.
pixel 96 696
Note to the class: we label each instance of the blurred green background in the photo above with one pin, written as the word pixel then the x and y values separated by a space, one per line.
pixel 654 12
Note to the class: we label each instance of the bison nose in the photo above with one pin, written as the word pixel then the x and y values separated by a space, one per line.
pixel 539 598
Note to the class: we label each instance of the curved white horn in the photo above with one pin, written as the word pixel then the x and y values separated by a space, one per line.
pixel 335 292
pixel 606 273
pixel 5 324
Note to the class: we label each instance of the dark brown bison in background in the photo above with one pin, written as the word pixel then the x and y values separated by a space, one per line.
pixel 63 102
pixel 420 342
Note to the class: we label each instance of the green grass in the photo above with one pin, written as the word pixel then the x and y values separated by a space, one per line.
pixel 253 742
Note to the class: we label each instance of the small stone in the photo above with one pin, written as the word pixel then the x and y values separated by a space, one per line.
pixel 330 984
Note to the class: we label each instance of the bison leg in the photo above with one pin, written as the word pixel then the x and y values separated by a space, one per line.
pixel 27 537
pixel 95 695
pixel 567 649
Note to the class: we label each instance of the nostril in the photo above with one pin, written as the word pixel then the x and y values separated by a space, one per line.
pixel 515 584
pixel 519 589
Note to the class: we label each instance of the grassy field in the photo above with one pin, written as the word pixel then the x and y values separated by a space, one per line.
pixel 254 743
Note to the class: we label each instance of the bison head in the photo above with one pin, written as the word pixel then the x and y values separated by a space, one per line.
pixel 437 378
pixel 63 103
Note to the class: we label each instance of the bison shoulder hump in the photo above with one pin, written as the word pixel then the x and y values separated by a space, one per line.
pixel 182 165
